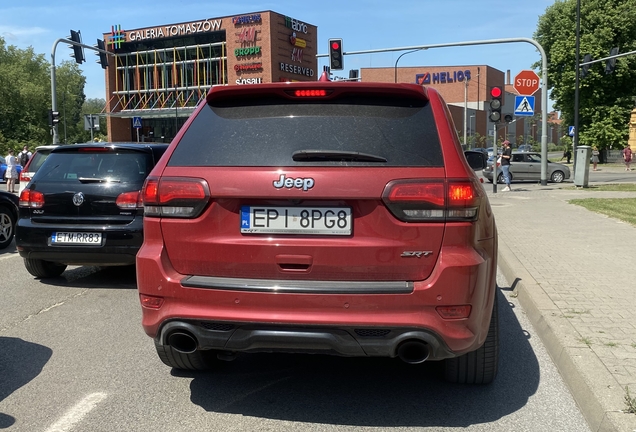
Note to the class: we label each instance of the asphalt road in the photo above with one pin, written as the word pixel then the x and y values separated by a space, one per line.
pixel 73 356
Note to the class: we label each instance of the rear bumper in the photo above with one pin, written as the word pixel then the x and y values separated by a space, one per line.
pixel 119 246
pixel 337 340
pixel 322 321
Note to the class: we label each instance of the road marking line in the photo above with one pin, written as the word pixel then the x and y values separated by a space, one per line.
pixel 76 413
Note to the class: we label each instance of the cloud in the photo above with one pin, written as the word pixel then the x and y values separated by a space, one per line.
pixel 13 33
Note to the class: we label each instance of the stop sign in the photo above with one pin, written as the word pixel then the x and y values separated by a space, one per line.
pixel 526 82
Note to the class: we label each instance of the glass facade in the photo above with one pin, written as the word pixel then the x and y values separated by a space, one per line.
pixel 165 81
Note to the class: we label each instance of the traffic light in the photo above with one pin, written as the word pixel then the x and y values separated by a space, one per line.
pixel 508 118
pixel 78 51
pixel 54 118
pixel 103 57
pixel 586 68
pixel 610 64
pixel 335 54
pixel 496 93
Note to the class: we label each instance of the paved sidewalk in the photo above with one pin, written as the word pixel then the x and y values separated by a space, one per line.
pixel 574 272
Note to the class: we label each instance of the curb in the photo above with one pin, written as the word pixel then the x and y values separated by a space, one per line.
pixel 597 393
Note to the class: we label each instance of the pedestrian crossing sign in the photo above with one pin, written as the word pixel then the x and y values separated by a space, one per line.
pixel 137 122
pixel 524 106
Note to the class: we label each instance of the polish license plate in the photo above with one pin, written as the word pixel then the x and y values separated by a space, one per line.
pixel 296 220
pixel 76 238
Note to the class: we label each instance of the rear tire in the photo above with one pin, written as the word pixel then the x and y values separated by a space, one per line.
pixel 558 177
pixel 7 227
pixel 43 269
pixel 500 178
pixel 196 361
pixel 479 366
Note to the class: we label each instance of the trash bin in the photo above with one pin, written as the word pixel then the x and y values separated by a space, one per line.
pixel 582 166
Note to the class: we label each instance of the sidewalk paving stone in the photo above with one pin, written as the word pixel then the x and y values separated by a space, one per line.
pixel 574 272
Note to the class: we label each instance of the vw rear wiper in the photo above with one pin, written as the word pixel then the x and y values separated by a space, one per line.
pixel 334 155
pixel 97 180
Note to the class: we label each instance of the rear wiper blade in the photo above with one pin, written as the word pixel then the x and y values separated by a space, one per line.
pixel 335 155
pixel 97 180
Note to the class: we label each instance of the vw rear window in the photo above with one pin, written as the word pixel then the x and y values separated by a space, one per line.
pixel 266 132
pixel 120 167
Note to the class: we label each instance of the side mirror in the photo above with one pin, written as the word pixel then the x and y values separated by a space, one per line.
pixel 476 159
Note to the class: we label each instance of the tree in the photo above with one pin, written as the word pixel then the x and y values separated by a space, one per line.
pixel 25 97
pixel 605 101
pixel 24 92
pixel 70 99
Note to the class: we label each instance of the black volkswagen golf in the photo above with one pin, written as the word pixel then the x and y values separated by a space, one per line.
pixel 83 207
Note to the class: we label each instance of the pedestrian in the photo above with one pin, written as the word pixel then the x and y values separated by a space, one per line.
pixel 24 156
pixel 627 157
pixel 506 155
pixel 568 155
pixel 11 174
pixel 595 154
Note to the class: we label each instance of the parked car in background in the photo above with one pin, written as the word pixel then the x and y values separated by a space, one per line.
pixel 526 166
pixel 490 151
pixel 34 163
pixel 3 169
pixel 320 217
pixel 524 148
pixel 481 150
pixel 83 207
pixel 8 217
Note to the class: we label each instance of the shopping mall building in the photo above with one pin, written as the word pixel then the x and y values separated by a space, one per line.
pixel 160 74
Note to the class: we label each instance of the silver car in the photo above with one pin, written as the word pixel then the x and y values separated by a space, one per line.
pixel 526 166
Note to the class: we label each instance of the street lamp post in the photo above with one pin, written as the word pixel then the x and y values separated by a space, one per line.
pixel 575 139
pixel 472 130
pixel 403 54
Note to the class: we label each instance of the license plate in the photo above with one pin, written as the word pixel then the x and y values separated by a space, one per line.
pixel 76 238
pixel 296 220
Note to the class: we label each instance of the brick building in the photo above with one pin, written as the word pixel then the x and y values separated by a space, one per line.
pixel 160 74
pixel 469 86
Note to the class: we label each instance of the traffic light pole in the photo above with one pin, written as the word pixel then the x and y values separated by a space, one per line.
pixel 56 137
pixel 544 82
pixel 494 160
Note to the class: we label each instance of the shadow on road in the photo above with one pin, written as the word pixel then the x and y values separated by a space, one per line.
pixel 20 362
pixel 112 277
pixel 368 391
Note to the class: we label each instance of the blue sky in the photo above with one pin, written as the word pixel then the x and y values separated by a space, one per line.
pixel 363 25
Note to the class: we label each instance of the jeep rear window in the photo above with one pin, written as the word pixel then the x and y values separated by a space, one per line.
pixel 267 132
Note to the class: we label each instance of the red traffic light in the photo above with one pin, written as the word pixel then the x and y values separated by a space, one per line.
pixel 495 92
pixel 335 45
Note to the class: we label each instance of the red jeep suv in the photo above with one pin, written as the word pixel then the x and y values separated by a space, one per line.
pixel 320 217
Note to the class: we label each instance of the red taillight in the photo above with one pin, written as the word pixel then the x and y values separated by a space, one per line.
pixel 464 198
pixel 310 93
pixel 129 200
pixel 454 312
pixel 175 197
pixel 24 177
pixel 420 192
pixel 151 302
pixel 31 199
pixel 433 200
pixel 95 149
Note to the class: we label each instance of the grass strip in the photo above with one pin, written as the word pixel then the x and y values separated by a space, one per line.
pixel 618 187
pixel 618 208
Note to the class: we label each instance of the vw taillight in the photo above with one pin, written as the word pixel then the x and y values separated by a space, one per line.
pixel 31 199
pixel 129 200
pixel 175 197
